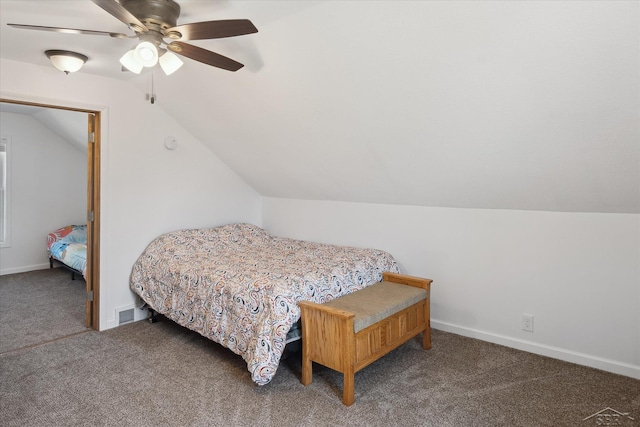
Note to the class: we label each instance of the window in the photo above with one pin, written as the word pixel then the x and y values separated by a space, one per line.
pixel 5 225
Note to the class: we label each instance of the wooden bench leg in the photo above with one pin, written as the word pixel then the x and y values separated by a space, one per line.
pixel 307 371
pixel 426 338
pixel 348 393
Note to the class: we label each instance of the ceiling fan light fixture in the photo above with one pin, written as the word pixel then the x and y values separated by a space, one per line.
pixel 65 60
pixel 130 62
pixel 154 21
pixel 170 63
pixel 146 53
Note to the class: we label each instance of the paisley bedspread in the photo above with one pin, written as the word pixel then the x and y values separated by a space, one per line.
pixel 239 286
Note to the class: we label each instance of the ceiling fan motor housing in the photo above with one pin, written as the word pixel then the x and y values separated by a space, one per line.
pixel 156 15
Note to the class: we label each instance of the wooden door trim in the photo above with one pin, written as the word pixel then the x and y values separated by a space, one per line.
pixel 92 319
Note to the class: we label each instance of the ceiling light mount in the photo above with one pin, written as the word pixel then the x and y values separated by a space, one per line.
pixel 65 60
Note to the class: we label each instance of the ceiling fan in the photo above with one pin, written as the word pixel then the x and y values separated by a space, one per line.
pixel 155 25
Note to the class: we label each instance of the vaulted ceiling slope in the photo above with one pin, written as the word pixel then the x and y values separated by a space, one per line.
pixel 479 104
pixel 71 126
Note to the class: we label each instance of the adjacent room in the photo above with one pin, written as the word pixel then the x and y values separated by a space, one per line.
pixel 491 147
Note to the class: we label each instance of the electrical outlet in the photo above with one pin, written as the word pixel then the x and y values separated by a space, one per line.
pixel 527 322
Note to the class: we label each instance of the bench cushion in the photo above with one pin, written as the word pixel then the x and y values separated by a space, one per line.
pixel 377 302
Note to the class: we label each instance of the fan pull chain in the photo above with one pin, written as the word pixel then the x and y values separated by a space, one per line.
pixel 151 96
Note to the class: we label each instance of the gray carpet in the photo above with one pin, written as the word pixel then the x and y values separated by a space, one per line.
pixel 40 306
pixel 163 375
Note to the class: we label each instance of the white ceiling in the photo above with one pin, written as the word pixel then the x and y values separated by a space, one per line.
pixel 479 104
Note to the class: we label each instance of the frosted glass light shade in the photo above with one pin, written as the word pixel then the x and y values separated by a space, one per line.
pixel 130 62
pixel 66 61
pixel 146 53
pixel 170 63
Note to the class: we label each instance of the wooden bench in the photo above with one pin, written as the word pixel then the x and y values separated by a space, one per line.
pixel 353 331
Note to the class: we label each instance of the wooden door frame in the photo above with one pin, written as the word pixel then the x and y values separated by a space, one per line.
pixel 92 307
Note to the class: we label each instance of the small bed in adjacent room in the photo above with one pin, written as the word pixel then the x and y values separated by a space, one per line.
pixel 68 246
pixel 239 285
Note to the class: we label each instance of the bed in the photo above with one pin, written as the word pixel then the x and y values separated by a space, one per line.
pixel 239 285
pixel 68 247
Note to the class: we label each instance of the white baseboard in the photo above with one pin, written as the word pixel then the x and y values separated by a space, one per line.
pixel 23 269
pixel 583 359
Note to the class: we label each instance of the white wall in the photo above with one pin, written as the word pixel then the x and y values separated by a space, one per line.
pixel 577 273
pixel 146 189
pixel 48 190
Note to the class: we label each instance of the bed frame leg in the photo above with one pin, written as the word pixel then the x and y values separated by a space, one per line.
pixel 154 316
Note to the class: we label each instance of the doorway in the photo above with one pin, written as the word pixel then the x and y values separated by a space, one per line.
pixel 92 304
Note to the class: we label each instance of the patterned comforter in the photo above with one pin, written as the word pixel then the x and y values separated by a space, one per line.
pixel 239 286
pixel 69 246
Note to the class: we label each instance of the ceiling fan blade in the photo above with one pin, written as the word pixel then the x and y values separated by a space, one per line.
pixel 212 29
pixel 71 31
pixel 205 56
pixel 117 10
